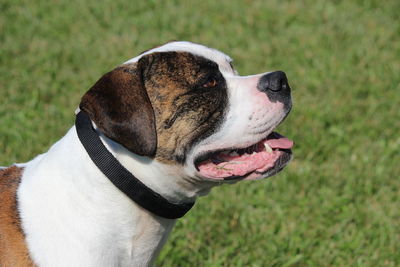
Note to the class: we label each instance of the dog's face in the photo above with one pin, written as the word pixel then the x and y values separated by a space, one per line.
pixel 184 105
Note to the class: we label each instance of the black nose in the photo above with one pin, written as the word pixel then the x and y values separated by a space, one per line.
pixel 275 85
pixel 274 81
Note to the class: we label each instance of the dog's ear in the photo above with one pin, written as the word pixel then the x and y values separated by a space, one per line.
pixel 120 107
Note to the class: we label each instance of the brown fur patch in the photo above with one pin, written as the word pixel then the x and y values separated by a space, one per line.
pixel 13 249
pixel 119 105
pixel 185 110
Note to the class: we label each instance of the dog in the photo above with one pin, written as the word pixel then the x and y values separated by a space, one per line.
pixel 150 137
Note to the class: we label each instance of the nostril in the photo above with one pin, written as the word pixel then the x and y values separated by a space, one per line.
pixel 284 85
pixel 276 85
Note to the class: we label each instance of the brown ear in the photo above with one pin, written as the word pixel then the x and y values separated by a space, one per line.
pixel 119 105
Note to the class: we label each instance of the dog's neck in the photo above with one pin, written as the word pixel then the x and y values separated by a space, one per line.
pixel 92 222
pixel 170 181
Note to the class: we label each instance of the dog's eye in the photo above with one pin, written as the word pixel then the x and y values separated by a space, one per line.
pixel 211 83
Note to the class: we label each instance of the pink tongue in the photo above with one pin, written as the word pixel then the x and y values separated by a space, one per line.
pixel 245 164
pixel 239 165
pixel 282 142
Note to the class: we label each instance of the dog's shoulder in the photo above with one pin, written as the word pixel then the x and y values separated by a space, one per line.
pixel 13 249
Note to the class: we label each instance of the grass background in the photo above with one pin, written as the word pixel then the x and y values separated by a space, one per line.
pixel 336 204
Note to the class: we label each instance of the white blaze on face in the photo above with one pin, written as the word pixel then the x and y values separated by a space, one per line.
pixel 251 114
pixel 250 118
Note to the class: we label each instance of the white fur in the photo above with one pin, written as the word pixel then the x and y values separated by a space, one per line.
pixel 222 59
pixel 74 216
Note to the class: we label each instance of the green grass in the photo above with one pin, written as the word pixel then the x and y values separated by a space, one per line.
pixel 336 204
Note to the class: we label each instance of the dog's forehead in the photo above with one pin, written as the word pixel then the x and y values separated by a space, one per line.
pixel 223 60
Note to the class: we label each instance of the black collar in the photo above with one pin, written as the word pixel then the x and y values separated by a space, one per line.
pixel 121 177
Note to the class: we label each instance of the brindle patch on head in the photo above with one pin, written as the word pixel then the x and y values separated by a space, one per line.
pixel 185 110
pixel 13 249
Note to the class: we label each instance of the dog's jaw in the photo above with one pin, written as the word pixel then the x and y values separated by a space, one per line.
pixel 250 119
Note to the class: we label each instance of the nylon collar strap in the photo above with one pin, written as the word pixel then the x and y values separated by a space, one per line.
pixel 121 177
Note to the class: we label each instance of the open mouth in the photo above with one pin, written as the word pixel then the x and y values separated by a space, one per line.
pixel 259 160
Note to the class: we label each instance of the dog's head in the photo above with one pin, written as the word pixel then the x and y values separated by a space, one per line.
pixel 184 105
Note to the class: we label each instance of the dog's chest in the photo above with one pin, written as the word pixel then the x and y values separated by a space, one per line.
pixel 88 222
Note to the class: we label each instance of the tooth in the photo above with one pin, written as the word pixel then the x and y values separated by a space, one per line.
pixel 268 148
pixel 233 154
